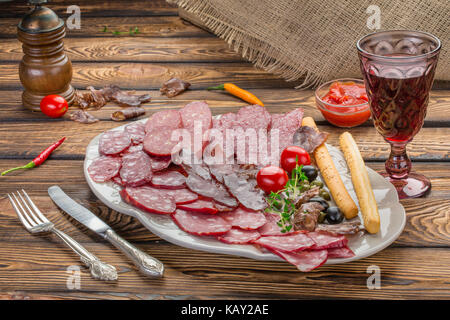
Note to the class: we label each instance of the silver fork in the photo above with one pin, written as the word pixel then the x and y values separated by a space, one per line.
pixel 35 222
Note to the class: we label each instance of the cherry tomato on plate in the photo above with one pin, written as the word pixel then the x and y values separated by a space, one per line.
pixel 271 179
pixel 293 155
pixel 54 106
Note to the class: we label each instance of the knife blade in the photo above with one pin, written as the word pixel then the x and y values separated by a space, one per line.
pixel 148 265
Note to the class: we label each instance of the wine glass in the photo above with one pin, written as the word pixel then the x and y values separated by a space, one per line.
pixel 398 68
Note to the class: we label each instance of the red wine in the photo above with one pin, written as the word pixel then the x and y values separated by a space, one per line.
pixel 398 100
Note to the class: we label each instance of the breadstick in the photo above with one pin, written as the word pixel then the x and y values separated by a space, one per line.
pixel 360 179
pixel 331 176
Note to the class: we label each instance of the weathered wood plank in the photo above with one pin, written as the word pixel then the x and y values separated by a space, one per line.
pixel 89 8
pixel 427 218
pixel 151 26
pixel 141 75
pixel 132 49
pixel 280 100
pixel 192 274
pixel 25 140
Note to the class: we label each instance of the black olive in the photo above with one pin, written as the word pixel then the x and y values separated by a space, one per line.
pixel 334 215
pixel 311 172
pixel 322 201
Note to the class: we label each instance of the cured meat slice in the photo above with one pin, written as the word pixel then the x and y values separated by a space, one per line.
pixel 174 87
pixel 271 228
pixel 245 219
pixel 306 260
pixel 289 243
pixel 113 142
pixel 200 205
pixel 136 169
pixel 104 168
pixel 245 191
pixel 169 180
pixel 163 120
pixel 181 196
pixel 159 143
pixel 309 139
pixel 222 208
pixel 118 181
pixel 254 116
pixel 133 148
pixel 201 224
pixel 347 227
pixel 338 253
pixel 239 236
pixel 327 241
pixel 160 163
pixel 149 199
pixel 210 189
pixel 136 131
pixel 218 171
pixel 290 121
pixel 197 111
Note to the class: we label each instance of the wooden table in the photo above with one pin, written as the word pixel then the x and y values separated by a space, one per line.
pixel 35 266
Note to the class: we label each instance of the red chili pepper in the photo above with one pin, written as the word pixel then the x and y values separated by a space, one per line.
pixel 39 159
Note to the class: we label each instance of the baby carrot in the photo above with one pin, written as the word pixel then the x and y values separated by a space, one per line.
pixel 238 92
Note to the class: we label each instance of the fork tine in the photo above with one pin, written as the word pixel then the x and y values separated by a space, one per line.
pixel 21 218
pixel 30 212
pixel 36 209
pixel 23 212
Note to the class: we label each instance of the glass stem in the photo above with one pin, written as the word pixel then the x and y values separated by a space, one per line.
pixel 398 165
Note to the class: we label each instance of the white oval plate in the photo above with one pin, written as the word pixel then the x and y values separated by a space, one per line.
pixel 392 215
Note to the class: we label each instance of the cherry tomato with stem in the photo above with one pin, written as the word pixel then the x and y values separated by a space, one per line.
pixel 54 106
pixel 271 179
pixel 293 155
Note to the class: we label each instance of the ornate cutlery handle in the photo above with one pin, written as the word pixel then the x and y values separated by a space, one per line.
pixel 98 269
pixel 148 265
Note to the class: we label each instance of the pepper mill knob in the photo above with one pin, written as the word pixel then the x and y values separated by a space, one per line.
pixel 45 68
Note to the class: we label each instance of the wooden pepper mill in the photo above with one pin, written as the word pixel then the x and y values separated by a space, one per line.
pixel 45 68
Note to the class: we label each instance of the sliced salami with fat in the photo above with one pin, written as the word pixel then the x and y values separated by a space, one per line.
pixel 239 236
pixel 169 180
pixel 200 224
pixel 149 199
pixel 327 241
pixel 271 228
pixel 104 168
pixel 159 143
pixel 340 253
pixel 136 169
pixel 305 260
pixel 163 120
pixel 200 205
pixel 136 131
pixel 113 142
pixel 254 116
pixel 160 163
pixel 245 219
pixel 294 242
pixel 197 111
pixel 181 196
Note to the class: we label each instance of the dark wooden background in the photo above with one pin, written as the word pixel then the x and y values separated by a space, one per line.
pixel 34 266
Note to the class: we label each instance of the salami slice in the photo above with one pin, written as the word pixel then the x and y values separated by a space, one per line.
pixel 113 142
pixel 149 199
pixel 254 116
pixel 200 205
pixel 181 196
pixel 136 169
pixel 239 236
pixel 200 224
pixel 104 168
pixel 339 253
pixel 118 181
pixel 271 228
pixel 133 148
pixel 136 131
pixel 327 241
pixel 306 260
pixel 245 219
pixel 159 143
pixel 160 163
pixel 163 120
pixel 197 111
pixel 293 242
pixel 169 180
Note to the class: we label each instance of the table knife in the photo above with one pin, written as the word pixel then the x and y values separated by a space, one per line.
pixel 147 265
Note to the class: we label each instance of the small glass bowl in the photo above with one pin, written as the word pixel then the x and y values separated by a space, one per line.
pixel 338 115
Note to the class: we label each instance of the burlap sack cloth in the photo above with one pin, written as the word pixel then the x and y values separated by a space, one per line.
pixel 312 41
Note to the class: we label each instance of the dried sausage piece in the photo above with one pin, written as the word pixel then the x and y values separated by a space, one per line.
pixel 309 139
pixel 245 191
pixel 174 87
pixel 327 241
pixel 136 169
pixel 113 142
pixel 163 120
pixel 104 168
pixel 169 180
pixel 160 163
pixel 136 131
pixel 181 196
pixel 254 116
pixel 289 243
pixel 245 218
pixel 149 199
pixel 196 111
pixel 200 205
pixel 201 224
pixel 271 227
pixel 239 236
pixel 159 143
pixel 306 260
pixel 339 253
pixel 127 113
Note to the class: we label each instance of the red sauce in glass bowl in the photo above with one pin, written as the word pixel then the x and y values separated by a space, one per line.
pixel 343 103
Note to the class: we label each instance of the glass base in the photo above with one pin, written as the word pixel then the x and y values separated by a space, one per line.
pixel 414 186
